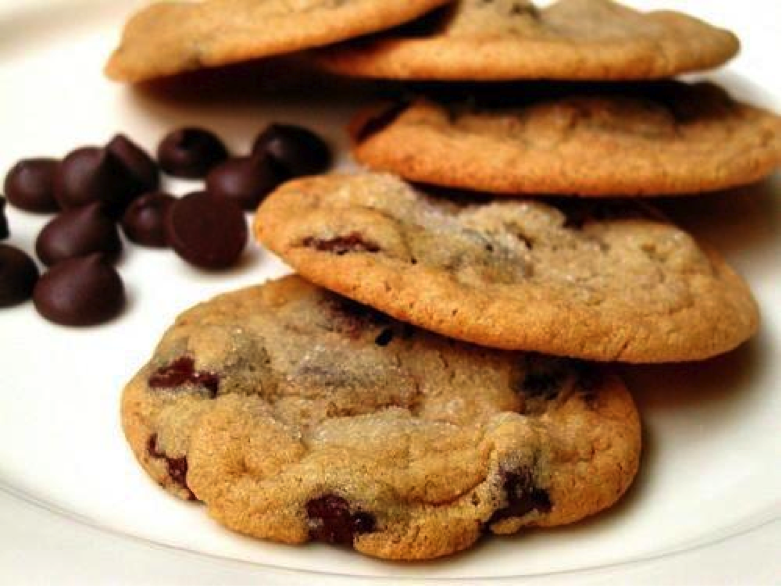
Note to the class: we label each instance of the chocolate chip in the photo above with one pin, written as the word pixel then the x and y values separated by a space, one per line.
pixel 144 220
pixel 206 231
pixel 296 150
pixel 80 291
pixel 182 372
pixel 244 180
pixel 18 275
pixel 91 174
pixel 190 152
pixel 176 467
pixel 353 242
pixel 29 185
pixel 78 232
pixel 521 495
pixel 140 167
pixel 330 520
pixel 4 233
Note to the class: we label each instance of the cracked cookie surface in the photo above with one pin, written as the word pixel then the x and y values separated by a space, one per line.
pixel 594 280
pixel 295 414
pixel 173 37
pixel 651 139
pixel 513 39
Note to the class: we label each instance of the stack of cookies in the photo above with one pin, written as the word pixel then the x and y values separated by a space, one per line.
pixel 440 367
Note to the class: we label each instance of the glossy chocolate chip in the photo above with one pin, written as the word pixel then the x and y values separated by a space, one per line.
pixel 244 180
pixel 353 242
pixel 78 232
pixel 206 231
pixel 176 467
pixel 144 220
pixel 182 372
pixel 91 174
pixel 522 496
pixel 330 520
pixel 140 167
pixel 4 232
pixel 18 275
pixel 80 291
pixel 296 150
pixel 29 185
pixel 190 152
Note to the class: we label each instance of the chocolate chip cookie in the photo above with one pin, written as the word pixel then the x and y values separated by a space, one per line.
pixel 513 39
pixel 647 139
pixel 581 278
pixel 172 37
pixel 295 414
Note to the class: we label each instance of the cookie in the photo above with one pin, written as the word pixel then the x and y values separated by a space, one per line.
pixel 295 414
pixel 596 280
pixel 649 139
pixel 513 39
pixel 173 37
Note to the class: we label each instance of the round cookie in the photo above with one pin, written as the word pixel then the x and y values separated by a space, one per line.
pixel 295 414
pixel 173 37
pixel 512 39
pixel 649 139
pixel 595 280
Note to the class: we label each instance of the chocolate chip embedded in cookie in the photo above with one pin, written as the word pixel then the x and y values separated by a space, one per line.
pixel 648 139
pixel 513 39
pixel 585 279
pixel 173 37
pixel 295 414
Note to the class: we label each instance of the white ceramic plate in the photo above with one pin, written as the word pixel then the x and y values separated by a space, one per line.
pixel 73 501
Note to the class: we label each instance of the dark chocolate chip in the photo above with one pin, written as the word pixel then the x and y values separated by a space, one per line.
pixel 140 167
pixel 190 152
pixel 78 232
pixel 91 174
pixel 144 220
pixel 353 242
pixel 206 231
pixel 298 151
pixel 330 520
pixel 4 232
pixel 29 185
pixel 18 275
pixel 182 372
pixel 176 467
pixel 80 291
pixel 244 180
pixel 522 496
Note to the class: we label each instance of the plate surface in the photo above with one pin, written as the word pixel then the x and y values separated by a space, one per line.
pixel 709 482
